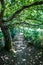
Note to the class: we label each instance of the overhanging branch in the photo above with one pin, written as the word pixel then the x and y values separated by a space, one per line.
pixel 22 23
pixel 22 8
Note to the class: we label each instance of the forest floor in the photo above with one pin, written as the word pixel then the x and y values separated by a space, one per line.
pixel 7 57
pixel 22 55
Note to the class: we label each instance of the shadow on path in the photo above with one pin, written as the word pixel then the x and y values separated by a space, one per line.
pixel 7 58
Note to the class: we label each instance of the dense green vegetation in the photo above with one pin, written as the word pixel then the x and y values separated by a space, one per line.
pixel 21 32
pixel 17 13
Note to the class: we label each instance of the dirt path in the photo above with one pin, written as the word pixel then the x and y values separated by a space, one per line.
pixel 19 42
pixel 27 56
pixel 23 56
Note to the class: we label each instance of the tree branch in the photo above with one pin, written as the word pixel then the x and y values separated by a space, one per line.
pixel 22 8
pixel 3 8
pixel 22 23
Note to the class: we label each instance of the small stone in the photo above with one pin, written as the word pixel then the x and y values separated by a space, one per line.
pixel 12 60
pixel 6 58
pixel 36 57
pixel 33 62
pixel 18 62
pixel 23 59
pixel 39 56
pixel 40 61
pixel 29 49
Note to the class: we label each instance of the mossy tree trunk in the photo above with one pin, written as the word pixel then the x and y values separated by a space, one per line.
pixel 7 36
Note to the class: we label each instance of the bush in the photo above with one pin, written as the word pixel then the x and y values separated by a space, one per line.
pixel 35 38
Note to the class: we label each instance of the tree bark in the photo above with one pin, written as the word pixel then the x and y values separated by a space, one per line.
pixel 7 36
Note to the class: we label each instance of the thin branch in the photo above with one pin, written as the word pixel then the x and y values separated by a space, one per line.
pixel 3 8
pixel 19 23
pixel 22 8
pixel 22 23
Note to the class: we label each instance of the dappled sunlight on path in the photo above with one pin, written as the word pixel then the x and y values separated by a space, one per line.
pixel 27 56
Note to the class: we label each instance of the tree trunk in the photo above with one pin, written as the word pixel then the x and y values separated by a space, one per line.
pixel 7 36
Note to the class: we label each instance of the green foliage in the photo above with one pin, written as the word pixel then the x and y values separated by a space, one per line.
pixel 34 12
pixel 14 31
pixel 1 34
pixel 33 15
pixel 35 37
